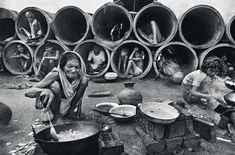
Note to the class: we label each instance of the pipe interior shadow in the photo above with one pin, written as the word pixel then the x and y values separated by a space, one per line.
pixel 232 29
pixel 201 26
pixel 106 18
pixel 70 25
pixel 7 28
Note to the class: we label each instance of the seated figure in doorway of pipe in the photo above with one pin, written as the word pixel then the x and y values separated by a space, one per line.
pixel 96 61
pixel 122 61
pixel 36 32
pixel 23 56
pixel 135 63
pixel 155 35
pixel 61 92
pixel 47 63
pixel 192 91
pixel 117 32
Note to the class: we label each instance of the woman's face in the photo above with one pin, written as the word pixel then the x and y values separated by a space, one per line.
pixel 72 69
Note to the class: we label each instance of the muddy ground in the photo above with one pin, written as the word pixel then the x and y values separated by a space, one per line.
pixel 24 112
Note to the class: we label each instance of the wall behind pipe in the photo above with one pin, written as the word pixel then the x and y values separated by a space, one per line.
pixel 226 8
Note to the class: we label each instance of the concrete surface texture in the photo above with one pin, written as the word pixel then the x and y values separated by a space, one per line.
pixel 226 8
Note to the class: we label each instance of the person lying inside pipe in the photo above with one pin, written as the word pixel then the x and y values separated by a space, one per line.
pixel 36 32
pixel 61 91
pixel 191 89
pixel 153 37
pixel 23 56
pixel 135 63
pixel 96 61
pixel 47 63
pixel 122 61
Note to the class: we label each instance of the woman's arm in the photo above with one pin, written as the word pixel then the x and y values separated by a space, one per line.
pixel 195 92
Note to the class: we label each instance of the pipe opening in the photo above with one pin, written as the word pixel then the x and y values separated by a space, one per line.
pixel 14 64
pixel 111 23
pixel 129 47
pixel 86 50
pixel 155 20
pixel 22 22
pixel 232 30
pixel 7 28
pixel 182 56
pixel 70 25
pixel 198 30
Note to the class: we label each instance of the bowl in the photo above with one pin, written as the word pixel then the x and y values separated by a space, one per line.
pixel 130 110
pixel 230 98
pixel 105 106
pixel 110 76
pixel 230 84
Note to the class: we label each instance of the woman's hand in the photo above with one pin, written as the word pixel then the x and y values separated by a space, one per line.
pixel 46 98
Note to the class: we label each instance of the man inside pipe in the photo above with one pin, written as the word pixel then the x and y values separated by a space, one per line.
pixel 36 32
pixel 135 63
pixel 96 61
pixel 154 36
pixel 23 56
pixel 193 93
pixel 47 63
pixel 122 61
pixel 61 91
pixel 117 32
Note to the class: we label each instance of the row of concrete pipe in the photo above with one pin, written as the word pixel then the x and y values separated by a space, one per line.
pixel 198 33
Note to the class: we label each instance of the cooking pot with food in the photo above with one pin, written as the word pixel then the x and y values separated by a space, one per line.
pixel 74 138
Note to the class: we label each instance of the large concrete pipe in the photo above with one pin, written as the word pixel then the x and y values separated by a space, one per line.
pixel 84 49
pixel 36 36
pixel 184 54
pixel 13 59
pixel 40 50
pixel 220 50
pixel 133 5
pixel 230 30
pixel 71 25
pixel 128 46
pixel 111 24
pixel 155 25
pixel 201 26
pixel 7 25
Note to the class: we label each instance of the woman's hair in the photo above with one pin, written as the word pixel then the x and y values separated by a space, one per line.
pixel 214 63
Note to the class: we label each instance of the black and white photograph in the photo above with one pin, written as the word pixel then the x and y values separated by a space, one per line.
pixel 117 77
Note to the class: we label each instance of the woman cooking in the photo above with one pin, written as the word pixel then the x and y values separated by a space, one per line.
pixel 60 93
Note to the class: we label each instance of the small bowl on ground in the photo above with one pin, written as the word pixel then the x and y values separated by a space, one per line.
pixel 128 110
pixel 230 84
pixel 105 106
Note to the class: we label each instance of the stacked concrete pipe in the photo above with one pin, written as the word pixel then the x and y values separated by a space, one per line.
pixel 39 51
pixel 219 50
pixel 83 50
pixel 7 24
pixel 230 30
pixel 13 64
pixel 185 53
pixel 163 16
pixel 105 18
pixel 129 45
pixel 201 27
pixel 133 5
pixel 71 25
pixel 45 19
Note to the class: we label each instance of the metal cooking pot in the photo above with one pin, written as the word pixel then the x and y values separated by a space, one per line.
pixel 230 98
pixel 86 146
pixel 158 112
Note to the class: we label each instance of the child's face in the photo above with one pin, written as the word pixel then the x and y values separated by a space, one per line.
pixel 123 53
pixel 212 72
pixel 20 48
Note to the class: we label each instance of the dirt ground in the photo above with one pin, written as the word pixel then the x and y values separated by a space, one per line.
pixel 24 112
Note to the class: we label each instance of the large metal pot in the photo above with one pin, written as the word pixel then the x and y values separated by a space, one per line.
pixel 86 146
pixel 158 112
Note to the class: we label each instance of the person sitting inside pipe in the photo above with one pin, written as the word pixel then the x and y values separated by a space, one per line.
pixel 155 35
pixel 135 63
pixel 61 91
pixel 47 63
pixel 117 32
pixel 23 56
pixel 96 60
pixel 122 61
pixel 191 89
pixel 36 31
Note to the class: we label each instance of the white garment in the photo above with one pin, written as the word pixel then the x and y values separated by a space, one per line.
pixel 35 28
pixel 96 59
